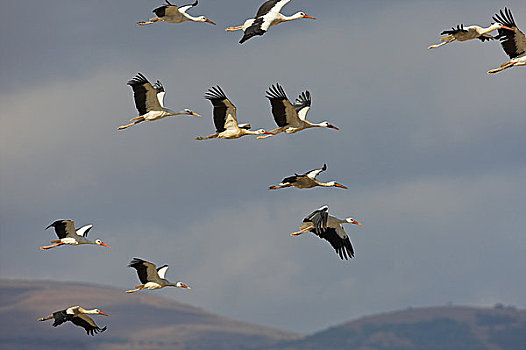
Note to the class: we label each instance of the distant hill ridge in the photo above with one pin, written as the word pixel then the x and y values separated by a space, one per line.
pixel 147 322
pixel 433 328
pixel 141 321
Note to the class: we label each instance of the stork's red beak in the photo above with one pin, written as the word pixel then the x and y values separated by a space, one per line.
pixel 103 313
pixel 196 115
pixel 333 127
pixel 357 223
pixel 269 133
pixel 209 21
pixel 341 186
pixel 508 28
pixel 307 16
pixel 185 286
pixel 104 244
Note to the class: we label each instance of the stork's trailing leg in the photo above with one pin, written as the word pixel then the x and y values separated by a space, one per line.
pixel 46 247
pixel 302 231
pixel 277 187
pixel 504 66
pixel 233 29
pixel 134 121
pixel 137 288
pixel 46 318
pixel 152 20
pixel 444 41
pixel 213 136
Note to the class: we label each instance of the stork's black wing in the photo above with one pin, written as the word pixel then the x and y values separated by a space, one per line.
pixel 63 228
pixel 144 94
pixel 255 29
pixel 158 86
pixel 224 110
pixel 60 317
pixel 513 41
pixel 142 269
pixel 87 323
pixel 266 7
pixel 318 219
pixel 282 110
pixel 343 246
pixel 460 28
pixel 303 101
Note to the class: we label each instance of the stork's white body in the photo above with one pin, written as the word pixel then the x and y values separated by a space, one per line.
pixel 267 16
pixel 67 234
pixel 467 33
pixel 173 14
pixel 151 276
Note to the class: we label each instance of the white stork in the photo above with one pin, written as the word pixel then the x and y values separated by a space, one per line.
pixel 67 234
pixel 307 180
pixel 78 316
pixel 268 15
pixel 152 277
pixel 329 228
pixel 225 118
pixel 172 14
pixel 291 118
pixel 513 41
pixel 149 101
pixel 462 33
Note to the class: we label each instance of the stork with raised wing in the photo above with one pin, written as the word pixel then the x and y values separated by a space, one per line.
pixel 307 180
pixel 67 234
pixel 170 13
pixel 225 118
pixel 268 15
pixel 149 101
pixel 78 316
pixel 461 33
pixel 513 41
pixel 291 118
pixel 331 229
pixel 152 277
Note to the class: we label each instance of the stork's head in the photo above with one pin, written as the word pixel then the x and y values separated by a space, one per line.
pixel 204 19
pixel 335 184
pixel 499 26
pixel 304 15
pixel 189 112
pixel 182 285
pixel 99 242
pixel 263 132
pixel 95 312
pixel 329 125
pixel 352 221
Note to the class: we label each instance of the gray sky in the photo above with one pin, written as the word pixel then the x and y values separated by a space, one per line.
pixel 432 148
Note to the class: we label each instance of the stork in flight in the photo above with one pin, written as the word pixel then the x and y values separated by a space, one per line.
pixel 462 33
pixel 78 316
pixel 307 180
pixel 67 234
pixel 329 228
pixel 172 14
pixel 149 101
pixel 513 41
pixel 291 118
pixel 152 277
pixel 225 118
pixel 268 15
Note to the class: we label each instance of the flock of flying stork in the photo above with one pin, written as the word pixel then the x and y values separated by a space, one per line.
pixel 290 118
